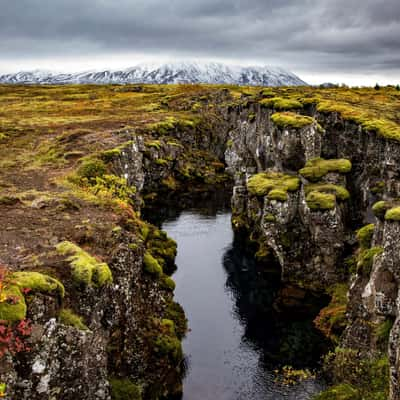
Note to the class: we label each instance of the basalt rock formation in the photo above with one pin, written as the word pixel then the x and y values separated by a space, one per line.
pixel 86 297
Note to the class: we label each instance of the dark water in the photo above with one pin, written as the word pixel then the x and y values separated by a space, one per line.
pixel 236 338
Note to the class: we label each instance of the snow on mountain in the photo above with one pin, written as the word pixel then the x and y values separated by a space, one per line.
pixel 182 72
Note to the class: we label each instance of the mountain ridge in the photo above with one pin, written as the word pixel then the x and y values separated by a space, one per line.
pixel 165 73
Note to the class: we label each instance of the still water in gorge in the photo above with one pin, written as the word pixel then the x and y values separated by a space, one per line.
pixel 236 338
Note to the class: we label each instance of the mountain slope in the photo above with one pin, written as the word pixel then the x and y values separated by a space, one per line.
pixel 184 72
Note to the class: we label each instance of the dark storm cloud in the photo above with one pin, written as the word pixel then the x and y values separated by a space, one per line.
pixel 312 34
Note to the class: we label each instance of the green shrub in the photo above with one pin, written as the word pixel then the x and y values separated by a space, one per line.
pixel 91 169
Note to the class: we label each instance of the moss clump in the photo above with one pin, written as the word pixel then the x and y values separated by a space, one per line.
pixel 168 283
pixel 320 201
pixel 151 265
pixel 343 391
pixel 38 282
pixel 12 293
pixel 382 331
pixel 175 312
pixel 277 194
pixel 317 168
pixel 380 208
pixel 269 218
pixel 364 235
pixel 68 317
pixel 124 389
pixel 324 196
pixel 91 168
pixel 393 214
pixel 365 259
pixel 167 345
pixel 113 186
pixel 153 143
pixel 280 103
pixel 263 183
pixel 291 120
pixel 86 270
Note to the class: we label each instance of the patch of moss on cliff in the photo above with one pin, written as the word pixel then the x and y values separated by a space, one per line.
pixel 280 103
pixel 365 259
pixel 291 120
pixel 323 196
pixel 317 168
pixel 393 214
pixel 364 235
pixel 68 317
pixel 151 265
pixel 278 183
pixel 124 389
pixel 86 270
pixel 16 285
pixel 380 208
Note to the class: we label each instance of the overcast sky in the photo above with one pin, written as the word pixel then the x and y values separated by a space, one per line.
pixel 352 41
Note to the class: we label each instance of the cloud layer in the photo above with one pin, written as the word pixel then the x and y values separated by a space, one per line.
pixel 341 36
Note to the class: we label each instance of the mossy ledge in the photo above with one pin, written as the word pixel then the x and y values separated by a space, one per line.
pixel 324 196
pixel 17 285
pixel 86 270
pixel 291 120
pixel 317 168
pixel 273 184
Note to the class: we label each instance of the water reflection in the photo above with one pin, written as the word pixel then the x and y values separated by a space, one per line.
pixel 237 337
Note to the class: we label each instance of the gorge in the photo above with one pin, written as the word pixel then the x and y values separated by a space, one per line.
pixel 87 295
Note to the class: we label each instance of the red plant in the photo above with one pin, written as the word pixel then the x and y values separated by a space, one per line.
pixel 12 336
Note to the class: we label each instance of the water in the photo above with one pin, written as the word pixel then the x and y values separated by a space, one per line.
pixel 236 338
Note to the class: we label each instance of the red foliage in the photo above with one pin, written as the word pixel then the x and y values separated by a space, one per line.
pixel 12 336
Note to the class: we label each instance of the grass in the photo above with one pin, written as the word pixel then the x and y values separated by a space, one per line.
pixel 86 270
pixel 274 184
pixel 291 120
pixel 317 168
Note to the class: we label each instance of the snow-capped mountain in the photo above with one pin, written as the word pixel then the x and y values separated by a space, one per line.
pixel 183 72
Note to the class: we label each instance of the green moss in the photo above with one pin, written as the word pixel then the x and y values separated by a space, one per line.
pixel 110 155
pixel 86 270
pixel 280 103
pixel 68 317
pixel 343 391
pixel 251 117
pixel 12 299
pixel 291 120
pixel 12 304
pixel 323 196
pixel 170 182
pixel 269 218
pixel 153 143
pixel 168 283
pixel 38 282
pixel 263 183
pixel 175 312
pixel 380 208
pixel 393 214
pixel 320 201
pixel 317 168
pixel 161 161
pixel 151 265
pixel 124 389
pixel 382 331
pixel 113 186
pixel 366 258
pixel 364 235
pixel 91 168
pixel 277 194
pixel 167 345
pixel 379 187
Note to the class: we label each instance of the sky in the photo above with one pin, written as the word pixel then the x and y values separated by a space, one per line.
pixel 356 42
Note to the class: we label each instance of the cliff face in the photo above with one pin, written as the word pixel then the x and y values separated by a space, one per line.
pixel 314 241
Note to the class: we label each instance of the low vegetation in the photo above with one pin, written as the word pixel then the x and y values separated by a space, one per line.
pixel 317 168
pixel 291 120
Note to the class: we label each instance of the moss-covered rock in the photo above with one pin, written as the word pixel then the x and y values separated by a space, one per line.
pixel 393 214
pixel 151 265
pixel 68 317
pixel 86 270
pixel 124 389
pixel 278 183
pixel 364 235
pixel 320 201
pixel 317 168
pixel 291 120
